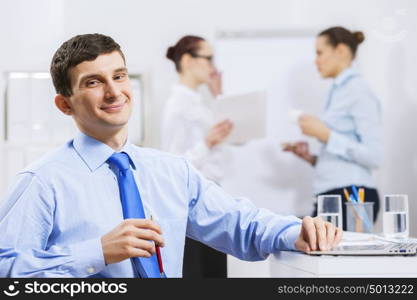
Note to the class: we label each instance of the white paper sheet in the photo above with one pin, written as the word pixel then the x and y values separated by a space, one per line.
pixel 247 111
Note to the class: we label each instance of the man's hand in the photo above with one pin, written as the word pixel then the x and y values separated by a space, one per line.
pixel 317 235
pixel 132 238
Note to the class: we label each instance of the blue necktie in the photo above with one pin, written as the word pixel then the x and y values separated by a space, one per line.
pixel 133 208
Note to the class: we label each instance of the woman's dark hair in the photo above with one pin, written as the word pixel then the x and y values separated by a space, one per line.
pixel 339 35
pixel 187 44
pixel 85 47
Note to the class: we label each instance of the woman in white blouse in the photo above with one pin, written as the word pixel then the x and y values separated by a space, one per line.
pixel 189 129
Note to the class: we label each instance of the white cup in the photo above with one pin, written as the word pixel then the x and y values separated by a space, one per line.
pixel 294 115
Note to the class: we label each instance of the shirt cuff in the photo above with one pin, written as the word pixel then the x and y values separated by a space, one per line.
pixel 289 236
pixel 88 258
pixel 338 144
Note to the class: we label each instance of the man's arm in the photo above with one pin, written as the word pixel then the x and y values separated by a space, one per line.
pixel 26 224
pixel 239 228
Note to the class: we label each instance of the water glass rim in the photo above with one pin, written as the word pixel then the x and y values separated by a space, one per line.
pixel 360 203
pixel 396 195
pixel 335 195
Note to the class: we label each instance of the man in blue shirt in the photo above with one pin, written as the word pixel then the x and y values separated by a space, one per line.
pixel 64 216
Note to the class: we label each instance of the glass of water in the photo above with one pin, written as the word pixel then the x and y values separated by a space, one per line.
pixel 329 208
pixel 395 218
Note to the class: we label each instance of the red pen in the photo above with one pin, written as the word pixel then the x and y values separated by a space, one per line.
pixel 161 267
pixel 159 257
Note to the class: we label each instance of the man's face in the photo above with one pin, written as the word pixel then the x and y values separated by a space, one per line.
pixel 102 95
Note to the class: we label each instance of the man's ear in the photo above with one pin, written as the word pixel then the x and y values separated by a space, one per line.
pixel 63 103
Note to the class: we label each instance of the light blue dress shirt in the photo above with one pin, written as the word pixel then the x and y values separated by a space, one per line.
pixel 54 216
pixel 353 114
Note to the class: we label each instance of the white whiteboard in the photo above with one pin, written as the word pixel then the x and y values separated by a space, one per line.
pixel 282 64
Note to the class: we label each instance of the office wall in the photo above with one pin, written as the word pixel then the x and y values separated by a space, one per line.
pixel 30 31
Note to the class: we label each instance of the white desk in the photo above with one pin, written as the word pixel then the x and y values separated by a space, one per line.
pixel 295 264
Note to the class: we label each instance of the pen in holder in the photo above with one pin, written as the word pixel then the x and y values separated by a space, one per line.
pixel 359 216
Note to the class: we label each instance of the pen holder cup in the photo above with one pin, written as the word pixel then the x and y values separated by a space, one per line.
pixel 359 217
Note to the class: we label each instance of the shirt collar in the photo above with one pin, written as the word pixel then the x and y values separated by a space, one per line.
pixel 345 75
pixel 95 153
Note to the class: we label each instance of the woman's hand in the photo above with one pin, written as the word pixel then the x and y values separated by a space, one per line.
pixel 218 133
pixel 313 126
pixel 215 83
pixel 300 149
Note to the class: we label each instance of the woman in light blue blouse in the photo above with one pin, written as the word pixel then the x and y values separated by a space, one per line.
pixel 349 128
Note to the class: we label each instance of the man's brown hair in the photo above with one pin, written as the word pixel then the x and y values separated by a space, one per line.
pixel 80 48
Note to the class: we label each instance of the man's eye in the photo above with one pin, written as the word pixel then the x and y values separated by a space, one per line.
pixel 92 82
pixel 119 76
